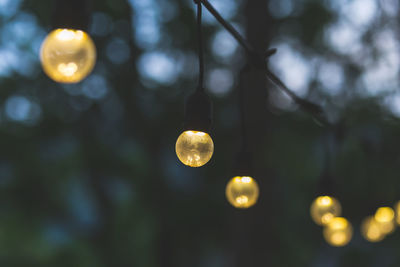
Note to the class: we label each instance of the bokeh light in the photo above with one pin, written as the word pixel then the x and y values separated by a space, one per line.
pixel 242 192
pixel 348 62
pixel 220 81
pixel 331 76
pixel 324 209
pixel 293 68
pixel 343 37
pixel 68 56
pixel 224 45
pixel 338 232
pixel 118 51
pixel 95 87
pixel 146 23
pixel 281 8
pixel 359 12
pixel 22 109
pixel 8 8
pixel 101 25
pixel 397 210
pixel 158 66
pixel 385 217
pixel 371 230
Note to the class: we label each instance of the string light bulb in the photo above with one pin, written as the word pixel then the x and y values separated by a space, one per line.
pixel 194 148
pixel 371 230
pixel 338 232
pixel 324 208
pixel 67 55
pixel 385 218
pixel 242 192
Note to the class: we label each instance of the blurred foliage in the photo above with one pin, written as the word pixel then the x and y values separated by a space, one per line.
pixel 88 172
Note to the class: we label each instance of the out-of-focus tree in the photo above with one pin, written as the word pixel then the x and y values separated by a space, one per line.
pixel 88 172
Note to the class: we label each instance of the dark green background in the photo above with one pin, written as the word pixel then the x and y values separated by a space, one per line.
pixel 94 181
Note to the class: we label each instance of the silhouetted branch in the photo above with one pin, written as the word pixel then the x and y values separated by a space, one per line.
pixel 259 61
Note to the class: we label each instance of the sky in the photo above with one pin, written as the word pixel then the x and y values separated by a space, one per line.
pixel 161 64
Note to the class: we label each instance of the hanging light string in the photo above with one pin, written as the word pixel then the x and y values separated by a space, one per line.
pixel 329 150
pixel 226 25
pixel 242 108
pixel 71 14
pixel 330 142
pixel 200 46
pixel 259 60
pixel 326 180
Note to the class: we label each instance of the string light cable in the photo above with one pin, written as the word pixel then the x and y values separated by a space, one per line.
pixel 259 61
pixel 195 147
pixel 326 206
pixel 68 54
pixel 242 191
pixel 326 209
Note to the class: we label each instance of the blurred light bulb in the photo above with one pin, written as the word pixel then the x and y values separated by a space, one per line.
pixel 324 209
pixel 371 230
pixel 338 232
pixel 242 192
pixel 67 56
pixel 397 209
pixel 384 216
pixel 194 148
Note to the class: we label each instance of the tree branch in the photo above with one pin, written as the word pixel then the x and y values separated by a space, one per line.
pixel 259 61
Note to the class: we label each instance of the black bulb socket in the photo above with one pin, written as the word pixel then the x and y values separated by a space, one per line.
pixel 71 14
pixel 325 186
pixel 243 164
pixel 198 112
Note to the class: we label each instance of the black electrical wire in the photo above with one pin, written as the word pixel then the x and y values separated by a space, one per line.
pixel 242 107
pixel 259 60
pixel 71 14
pixel 200 46
pixel 226 25
pixel 326 183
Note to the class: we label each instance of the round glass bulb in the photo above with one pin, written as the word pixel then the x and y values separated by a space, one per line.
pixel 384 216
pixel 324 209
pixel 338 232
pixel 371 230
pixel 194 148
pixel 242 192
pixel 397 209
pixel 67 56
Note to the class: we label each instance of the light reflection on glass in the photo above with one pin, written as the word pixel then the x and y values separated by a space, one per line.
pixel 194 148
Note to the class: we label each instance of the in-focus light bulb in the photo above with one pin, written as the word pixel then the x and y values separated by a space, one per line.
pixel 371 230
pixel 338 232
pixel 324 209
pixel 242 192
pixel 384 216
pixel 68 56
pixel 194 148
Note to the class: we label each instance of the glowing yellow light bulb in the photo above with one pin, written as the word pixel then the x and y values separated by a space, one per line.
pixel 67 56
pixel 324 209
pixel 384 216
pixel 371 230
pixel 194 148
pixel 338 232
pixel 242 192
pixel 397 209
